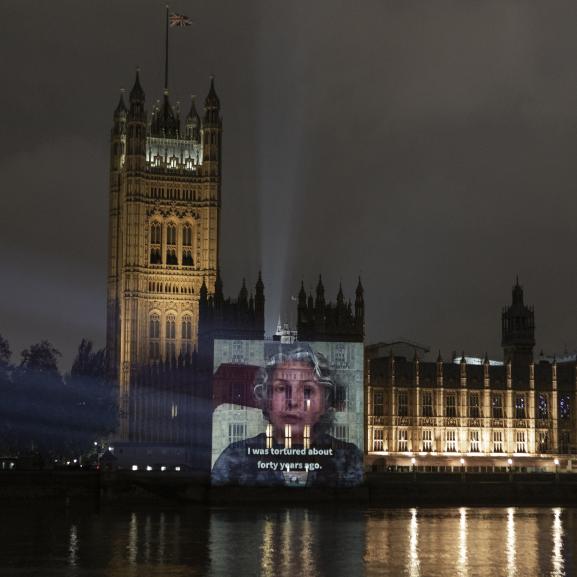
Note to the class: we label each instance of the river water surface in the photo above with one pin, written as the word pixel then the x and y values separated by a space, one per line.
pixel 49 541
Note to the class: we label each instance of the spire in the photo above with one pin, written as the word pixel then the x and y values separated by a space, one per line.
pixel 218 294
pixel 486 359
pixel 302 295
pixel 259 284
pixel 137 94
pixel 243 294
pixel 517 292
pixel 165 123
pixel 212 100
pixel 340 297
pixel 463 361
pixel 439 357
pixel 211 106
pixel 121 108
pixel 360 290
pixel 193 122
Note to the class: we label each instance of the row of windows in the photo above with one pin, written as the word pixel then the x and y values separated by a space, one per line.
pixel 450 444
pixel 170 326
pixel 171 234
pixel 170 331
pixel 160 287
pixel 474 405
pixel 172 162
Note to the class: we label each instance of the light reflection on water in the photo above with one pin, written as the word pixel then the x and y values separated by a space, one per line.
pixel 335 542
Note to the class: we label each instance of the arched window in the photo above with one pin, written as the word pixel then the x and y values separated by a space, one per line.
pixel 171 244
pixel 154 336
pixel 170 336
pixel 155 240
pixel 171 235
pixel 187 235
pixel 186 335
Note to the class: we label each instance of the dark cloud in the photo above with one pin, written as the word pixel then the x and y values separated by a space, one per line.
pixel 428 146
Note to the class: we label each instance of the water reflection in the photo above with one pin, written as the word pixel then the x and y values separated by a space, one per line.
pixel 557 558
pixel 413 545
pixel 463 563
pixel 334 542
pixel 511 543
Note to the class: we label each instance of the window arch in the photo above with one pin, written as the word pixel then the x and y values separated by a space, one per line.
pixel 186 335
pixel 154 336
pixel 170 335
pixel 155 241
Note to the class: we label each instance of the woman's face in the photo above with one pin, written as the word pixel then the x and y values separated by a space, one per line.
pixel 297 399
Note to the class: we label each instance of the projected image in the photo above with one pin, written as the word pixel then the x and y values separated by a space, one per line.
pixel 287 414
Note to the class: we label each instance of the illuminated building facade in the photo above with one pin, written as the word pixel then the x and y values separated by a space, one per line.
pixel 165 181
pixel 483 416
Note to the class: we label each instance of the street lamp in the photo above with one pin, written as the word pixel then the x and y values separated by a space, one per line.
pixel 510 463
pixel 413 461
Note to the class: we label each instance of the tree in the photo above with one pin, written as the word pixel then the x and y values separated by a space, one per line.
pixel 42 358
pixel 5 353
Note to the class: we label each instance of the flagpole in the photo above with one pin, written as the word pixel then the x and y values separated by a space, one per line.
pixel 166 55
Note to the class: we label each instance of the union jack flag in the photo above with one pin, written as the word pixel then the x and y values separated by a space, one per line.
pixel 179 20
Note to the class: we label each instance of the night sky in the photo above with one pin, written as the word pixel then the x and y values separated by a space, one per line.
pixel 427 146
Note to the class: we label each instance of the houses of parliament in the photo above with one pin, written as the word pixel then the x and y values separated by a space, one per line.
pixel 165 302
pixel 166 305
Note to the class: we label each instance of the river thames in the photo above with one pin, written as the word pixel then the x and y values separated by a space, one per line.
pixel 337 541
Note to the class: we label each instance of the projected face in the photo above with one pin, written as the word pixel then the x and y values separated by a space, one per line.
pixel 296 399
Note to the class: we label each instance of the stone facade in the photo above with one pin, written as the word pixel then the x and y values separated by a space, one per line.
pixel 165 179
pixel 481 416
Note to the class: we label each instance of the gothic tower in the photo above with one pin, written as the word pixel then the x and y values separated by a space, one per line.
pixel 518 330
pixel 165 179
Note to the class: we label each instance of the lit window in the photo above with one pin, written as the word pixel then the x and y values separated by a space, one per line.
pixel 521 445
pixel 497 441
pixel 475 444
pixel 403 443
pixel 174 411
pixel 451 441
pixel 307 437
pixel 427 440
pixel 378 439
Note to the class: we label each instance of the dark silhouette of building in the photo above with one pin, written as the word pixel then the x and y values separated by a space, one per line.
pixel 518 330
pixel 319 320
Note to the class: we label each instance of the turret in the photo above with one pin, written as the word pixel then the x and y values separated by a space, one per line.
pixel 259 301
pixel 118 135
pixel 136 128
pixel 192 129
pixel 518 329
pixel 211 133
pixel 165 122
pixel 360 307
